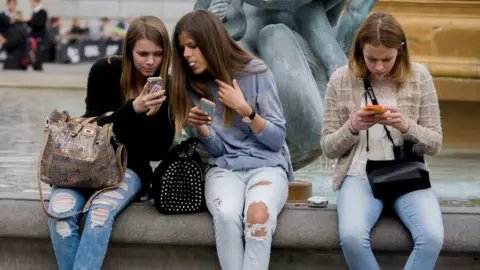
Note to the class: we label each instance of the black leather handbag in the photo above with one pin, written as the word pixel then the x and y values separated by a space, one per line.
pixel 178 182
pixel 390 179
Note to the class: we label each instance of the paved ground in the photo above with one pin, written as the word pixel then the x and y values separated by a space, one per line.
pixel 54 76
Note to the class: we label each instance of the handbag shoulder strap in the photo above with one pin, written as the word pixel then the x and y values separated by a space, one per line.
pixel 369 92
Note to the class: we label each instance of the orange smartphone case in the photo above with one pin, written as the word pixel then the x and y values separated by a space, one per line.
pixel 375 108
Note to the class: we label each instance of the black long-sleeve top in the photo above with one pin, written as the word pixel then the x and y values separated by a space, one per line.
pixel 4 24
pixel 38 24
pixel 16 46
pixel 146 138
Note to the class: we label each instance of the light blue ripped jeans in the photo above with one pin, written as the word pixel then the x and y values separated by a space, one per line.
pixel 358 211
pixel 87 251
pixel 245 205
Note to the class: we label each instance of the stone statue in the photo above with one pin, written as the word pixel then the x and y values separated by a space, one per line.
pixel 297 39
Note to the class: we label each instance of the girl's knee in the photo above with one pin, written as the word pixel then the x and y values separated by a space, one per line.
pixel 352 236
pixel 62 203
pixel 132 182
pixel 429 240
pixel 227 219
pixel 259 222
pixel 61 227
pixel 99 216
pixel 101 211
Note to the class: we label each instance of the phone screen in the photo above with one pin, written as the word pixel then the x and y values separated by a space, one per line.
pixel 207 108
pixel 155 85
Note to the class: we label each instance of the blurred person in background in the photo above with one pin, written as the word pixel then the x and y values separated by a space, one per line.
pixel 16 43
pixel 38 24
pixel 77 31
pixel 101 30
pixel 122 24
pixel 5 20
pixel 52 38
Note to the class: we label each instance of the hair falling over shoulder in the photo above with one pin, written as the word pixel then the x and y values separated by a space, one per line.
pixel 224 56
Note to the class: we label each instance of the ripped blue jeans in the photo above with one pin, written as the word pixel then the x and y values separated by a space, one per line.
pixel 245 205
pixel 87 251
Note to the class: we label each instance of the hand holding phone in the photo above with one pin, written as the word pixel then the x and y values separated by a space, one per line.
pixel 146 102
pixel 375 108
pixel 155 84
pixel 207 106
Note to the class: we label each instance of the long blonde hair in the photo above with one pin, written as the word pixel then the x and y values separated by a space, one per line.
pixel 150 28
pixel 224 57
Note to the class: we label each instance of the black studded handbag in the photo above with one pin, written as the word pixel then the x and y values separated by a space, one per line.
pixel 178 182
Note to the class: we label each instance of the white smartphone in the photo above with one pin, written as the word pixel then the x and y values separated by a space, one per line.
pixel 156 84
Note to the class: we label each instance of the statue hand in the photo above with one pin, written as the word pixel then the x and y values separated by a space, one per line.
pixel 219 8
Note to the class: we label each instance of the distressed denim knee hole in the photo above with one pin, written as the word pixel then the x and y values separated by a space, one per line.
pixel 257 221
pixel 63 229
pixel 124 186
pixel 63 202
pixel 105 201
pixel 261 183
pixel 113 194
pixel 99 216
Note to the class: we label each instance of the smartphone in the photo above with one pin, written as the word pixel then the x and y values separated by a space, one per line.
pixel 207 106
pixel 156 84
pixel 317 202
pixel 376 108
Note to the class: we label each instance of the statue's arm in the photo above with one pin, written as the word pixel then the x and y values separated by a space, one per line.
pixel 334 8
pixel 236 22
pixel 218 7
pixel 354 15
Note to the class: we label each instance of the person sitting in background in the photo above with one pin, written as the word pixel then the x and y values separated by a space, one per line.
pixel 77 31
pixel 101 31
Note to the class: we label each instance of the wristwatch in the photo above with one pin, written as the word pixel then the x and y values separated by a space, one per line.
pixel 248 119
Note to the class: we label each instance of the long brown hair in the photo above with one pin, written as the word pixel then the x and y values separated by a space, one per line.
pixel 150 28
pixel 381 29
pixel 224 58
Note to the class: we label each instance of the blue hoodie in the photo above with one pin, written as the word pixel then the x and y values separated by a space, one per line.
pixel 237 147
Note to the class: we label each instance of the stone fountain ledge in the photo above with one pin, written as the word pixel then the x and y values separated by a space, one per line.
pixel 305 239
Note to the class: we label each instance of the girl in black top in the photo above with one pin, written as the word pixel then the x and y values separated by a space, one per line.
pixel 140 121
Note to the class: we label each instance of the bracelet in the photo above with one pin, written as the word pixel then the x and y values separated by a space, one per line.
pixel 352 128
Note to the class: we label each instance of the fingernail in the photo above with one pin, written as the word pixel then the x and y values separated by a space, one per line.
pixel 209 118
pixel 209 123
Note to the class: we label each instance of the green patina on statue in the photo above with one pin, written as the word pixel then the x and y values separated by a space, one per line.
pixel 303 42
